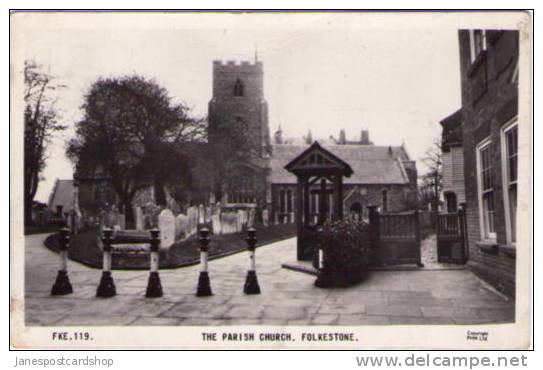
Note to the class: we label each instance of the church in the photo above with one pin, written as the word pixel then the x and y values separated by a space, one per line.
pixel 384 176
pixel 243 166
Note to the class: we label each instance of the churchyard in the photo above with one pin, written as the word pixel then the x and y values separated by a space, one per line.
pixel 178 236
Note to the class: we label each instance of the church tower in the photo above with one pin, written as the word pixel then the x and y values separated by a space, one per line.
pixel 238 103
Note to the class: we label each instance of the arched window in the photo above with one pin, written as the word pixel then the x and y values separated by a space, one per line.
pixel 238 88
pixel 384 195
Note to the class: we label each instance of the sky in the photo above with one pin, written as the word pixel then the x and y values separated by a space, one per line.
pixel 321 72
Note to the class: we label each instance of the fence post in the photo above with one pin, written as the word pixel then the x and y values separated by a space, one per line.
pixel 154 287
pixel 373 215
pixel 417 237
pixel 251 282
pixel 463 232
pixel 62 284
pixel 204 287
pixel 107 286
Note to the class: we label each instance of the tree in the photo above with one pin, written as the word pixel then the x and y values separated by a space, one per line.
pixel 432 180
pixel 134 133
pixel 41 121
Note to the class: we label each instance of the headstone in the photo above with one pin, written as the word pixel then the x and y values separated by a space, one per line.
pixel 201 214
pixel 216 224
pixel 121 221
pixel 265 217
pixel 216 209
pixel 166 224
pixel 240 220
pixel 138 217
pixel 192 215
pixel 208 214
pixel 181 226
pixel 251 217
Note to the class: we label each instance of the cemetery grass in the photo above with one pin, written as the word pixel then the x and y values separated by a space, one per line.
pixel 30 230
pixel 84 248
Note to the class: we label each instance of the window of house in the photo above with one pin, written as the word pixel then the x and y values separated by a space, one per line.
pixel 486 191
pixel 509 156
pixel 477 43
pixel 384 200
pixel 238 88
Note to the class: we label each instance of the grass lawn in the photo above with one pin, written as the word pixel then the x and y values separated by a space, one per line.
pixel 29 230
pixel 84 248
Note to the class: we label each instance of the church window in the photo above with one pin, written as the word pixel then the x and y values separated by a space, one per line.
pixel 289 201
pixel 238 88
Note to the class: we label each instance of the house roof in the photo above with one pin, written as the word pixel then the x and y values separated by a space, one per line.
pixel 370 164
pixel 326 161
pixel 62 194
pixel 452 129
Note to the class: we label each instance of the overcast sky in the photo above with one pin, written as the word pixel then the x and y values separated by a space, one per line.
pixel 321 72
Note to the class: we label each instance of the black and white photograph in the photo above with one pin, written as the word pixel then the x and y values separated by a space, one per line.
pixel 270 179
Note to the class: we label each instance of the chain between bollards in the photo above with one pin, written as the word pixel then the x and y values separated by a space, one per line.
pixel 154 287
pixel 251 282
pixel 106 288
pixel 62 284
pixel 204 286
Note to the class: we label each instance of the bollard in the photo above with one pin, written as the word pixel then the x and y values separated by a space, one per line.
pixel 251 282
pixel 204 287
pixel 62 284
pixel 107 286
pixel 154 288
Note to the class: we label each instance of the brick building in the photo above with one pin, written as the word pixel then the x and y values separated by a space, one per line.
pixel 489 77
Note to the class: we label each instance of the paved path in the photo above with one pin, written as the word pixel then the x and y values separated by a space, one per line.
pixel 288 297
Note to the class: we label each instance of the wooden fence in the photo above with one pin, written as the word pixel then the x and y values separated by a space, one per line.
pixel 395 237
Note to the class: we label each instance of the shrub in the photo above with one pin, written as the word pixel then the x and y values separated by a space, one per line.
pixel 346 253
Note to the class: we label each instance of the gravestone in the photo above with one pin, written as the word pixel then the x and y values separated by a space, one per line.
pixel 265 218
pixel 208 214
pixel 216 208
pixel 181 226
pixel 216 224
pixel 121 221
pixel 138 217
pixel 201 214
pixel 192 215
pixel 166 224
pixel 251 217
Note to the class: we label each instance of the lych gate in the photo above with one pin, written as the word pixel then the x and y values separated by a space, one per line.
pixel 320 173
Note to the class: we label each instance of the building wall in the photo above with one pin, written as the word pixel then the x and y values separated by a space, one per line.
pixel 453 172
pixel 489 100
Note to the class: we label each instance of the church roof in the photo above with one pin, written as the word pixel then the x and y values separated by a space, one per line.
pixel 62 195
pixel 370 164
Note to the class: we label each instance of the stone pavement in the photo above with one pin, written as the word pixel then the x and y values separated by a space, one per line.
pixel 288 297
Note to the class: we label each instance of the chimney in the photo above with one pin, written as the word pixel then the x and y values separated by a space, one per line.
pixel 365 137
pixel 342 137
